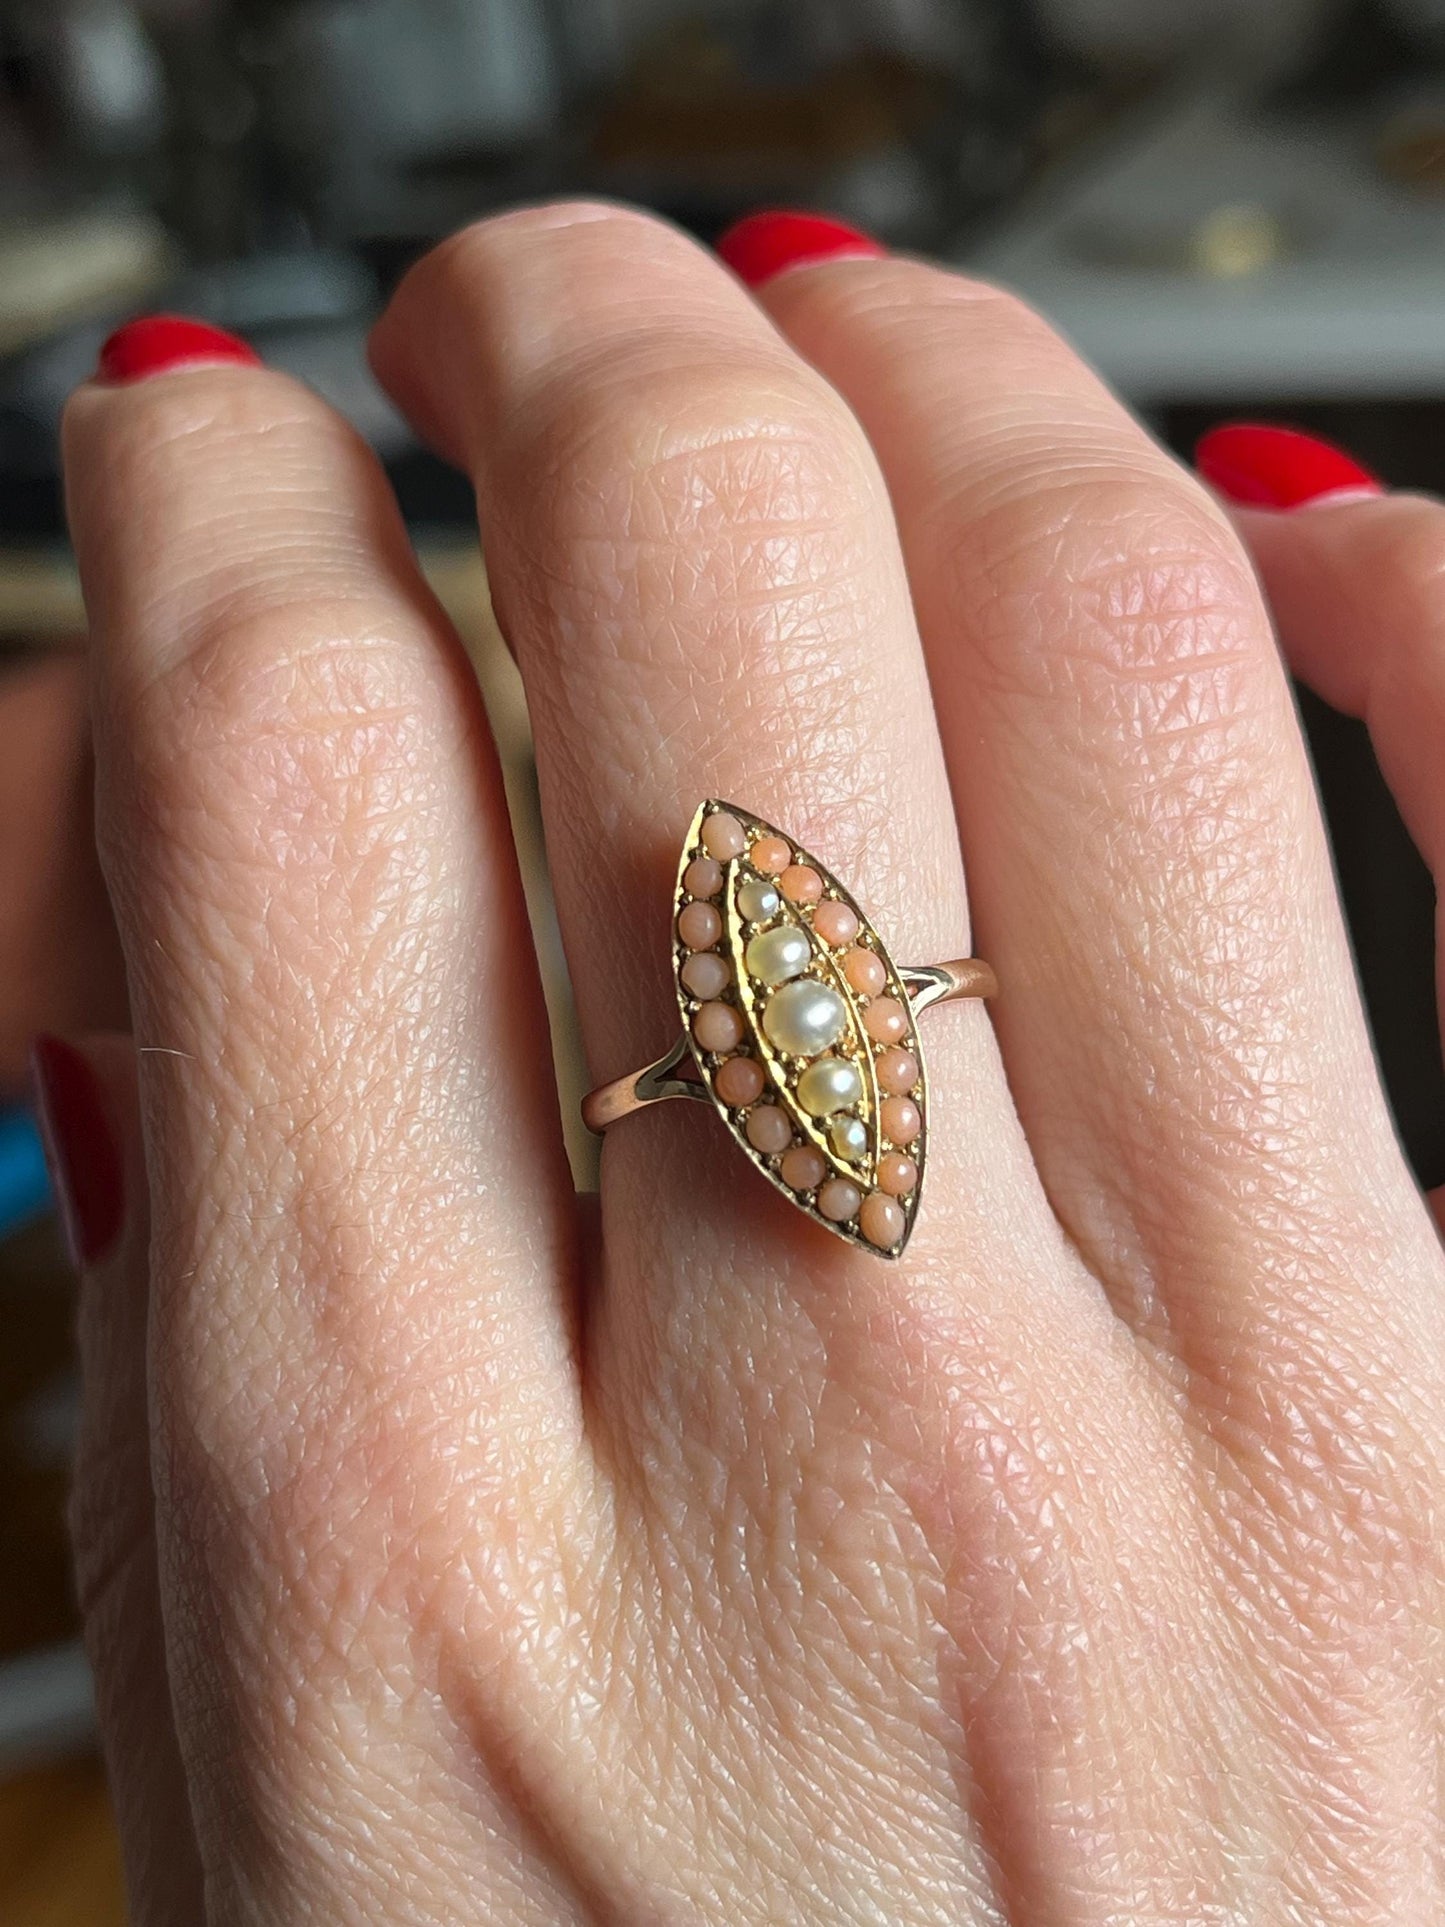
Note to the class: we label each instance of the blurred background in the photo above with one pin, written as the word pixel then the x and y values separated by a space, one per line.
pixel 1230 208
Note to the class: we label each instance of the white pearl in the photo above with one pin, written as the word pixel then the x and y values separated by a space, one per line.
pixel 757 900
pixel 849 1138
pixel 829 1084
pixel 773 956
pixel 804 1018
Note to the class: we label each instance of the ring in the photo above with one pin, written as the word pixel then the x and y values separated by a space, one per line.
pixel 799 1027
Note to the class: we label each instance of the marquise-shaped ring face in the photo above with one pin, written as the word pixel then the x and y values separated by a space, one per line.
pixel 801 1027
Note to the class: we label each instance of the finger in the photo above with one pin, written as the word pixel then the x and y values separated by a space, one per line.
pixel 691 552
pixel 1146 857
pixel 1353 576
pixel 87 1102
pixel 361 1212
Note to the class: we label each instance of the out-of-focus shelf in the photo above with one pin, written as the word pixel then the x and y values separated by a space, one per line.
pixel 1222 253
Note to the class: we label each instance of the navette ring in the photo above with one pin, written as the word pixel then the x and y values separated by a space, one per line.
pixel 799 1027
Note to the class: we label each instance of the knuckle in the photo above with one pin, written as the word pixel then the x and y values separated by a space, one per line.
pixel 612 224
pixel 290 784
pixel 1412 558
pixel 928 308
pixel 685 418
pixel 1151 614
pixel 739 469
pixel 163 438
pixel 298 702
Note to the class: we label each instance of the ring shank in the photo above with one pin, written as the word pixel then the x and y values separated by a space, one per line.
pixel 926 984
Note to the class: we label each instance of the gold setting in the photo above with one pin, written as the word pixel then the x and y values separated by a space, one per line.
pixel 780 1070
pixel 881 1219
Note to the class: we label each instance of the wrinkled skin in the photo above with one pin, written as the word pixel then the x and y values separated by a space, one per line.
pixel 451 1557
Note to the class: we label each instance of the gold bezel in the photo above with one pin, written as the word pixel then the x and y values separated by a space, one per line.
pixel 781 1071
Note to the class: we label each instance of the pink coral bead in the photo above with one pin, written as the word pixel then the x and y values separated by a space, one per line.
pixel 901 1120
pixel 834 922
pixel 769 1130
pixel 771 855
pixel 839 1200
pixel 881 1220
pixel 699 926
pixel 885 1019
pixel 739 1081
pixel 897 1071
pixel 801 884
pixel 897 1174
pixel 717 1027
pixel 804 1168
pixel 702 877
pixel 722 836
pixel 864 971
pixel 706 974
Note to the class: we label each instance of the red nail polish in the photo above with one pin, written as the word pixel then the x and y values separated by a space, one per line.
pixel 156 343
pixel 81 1148
pixel 762 246
pixel 1259 466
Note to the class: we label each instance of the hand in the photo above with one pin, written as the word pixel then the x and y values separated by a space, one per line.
pixel 1082 1567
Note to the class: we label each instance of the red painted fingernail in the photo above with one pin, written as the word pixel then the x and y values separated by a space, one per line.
pixel 81 1148
pixel 1259 466
pixel 156 343
pixel 762 246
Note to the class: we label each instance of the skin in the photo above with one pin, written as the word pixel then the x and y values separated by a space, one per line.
pixel 449 1555
pixel 59 962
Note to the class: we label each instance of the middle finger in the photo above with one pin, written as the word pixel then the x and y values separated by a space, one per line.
pixel 692 554
pixel 694 557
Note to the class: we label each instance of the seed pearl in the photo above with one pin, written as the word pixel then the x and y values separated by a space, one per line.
pixel 804 1018
pixel 897 1071
pixel 757 901
pixel 849 1138
pixel 835 923
pixel 897 1174
pixel 804 1168
pixel 722 836
pixel 717 1027
pixel 702 877
pixel 739 1081
pixel 773 956
pixel 885 1020
pixel 829 1084
pixel 705 974
pixel 864 971
pixel 699 926
pixel 900 1119
pixel 839 1200
pixel 881 1220
pixel 801 883
pixel 771 855
pixel 769 1130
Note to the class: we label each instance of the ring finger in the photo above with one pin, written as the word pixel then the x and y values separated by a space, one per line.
pixel 692 554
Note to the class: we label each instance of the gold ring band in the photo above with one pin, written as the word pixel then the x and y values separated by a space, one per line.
pixel 935 984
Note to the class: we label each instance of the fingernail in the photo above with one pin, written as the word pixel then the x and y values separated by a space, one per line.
pixel 762 246
pixel 1260 466
pixel 81 1148
pixel 154 344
